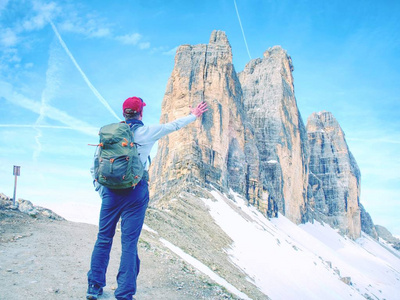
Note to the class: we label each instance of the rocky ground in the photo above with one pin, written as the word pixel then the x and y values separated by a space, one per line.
pixel 45 258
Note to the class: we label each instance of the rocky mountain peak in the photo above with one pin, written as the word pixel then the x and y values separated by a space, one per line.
pixel 270 103
pixel 334 175
pixel 253 141
pixel 200 151
pixel 322 120
pixel 275 50
pixel 278 53
pixel 219 37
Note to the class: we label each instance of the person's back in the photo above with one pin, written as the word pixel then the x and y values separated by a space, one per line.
pixel 128 204
pixel 147 135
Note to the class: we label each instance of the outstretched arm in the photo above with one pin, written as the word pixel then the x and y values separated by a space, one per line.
pixel 150 134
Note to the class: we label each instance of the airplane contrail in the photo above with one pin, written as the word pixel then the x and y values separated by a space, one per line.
pixel 51 85
pixel 8 94
pixel 90 85
pixel 241 27
pixel 44 126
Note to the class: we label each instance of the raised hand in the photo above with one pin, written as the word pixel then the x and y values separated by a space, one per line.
pixel 200 109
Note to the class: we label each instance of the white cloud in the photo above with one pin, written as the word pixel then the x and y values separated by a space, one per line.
pixel 100 32
pixel 37 22
pixel 28 65
pixel 11 55
pixel 71 26
pixel 129 39
pixel 145 45
pixel 68 20
pixel 88 29
pixel 91 26
pixel 12 35
pixel 8 37
pixel 45 12
pixel 96 28
pixel 134 40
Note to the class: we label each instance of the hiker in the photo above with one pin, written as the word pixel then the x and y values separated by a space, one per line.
pixel 129 204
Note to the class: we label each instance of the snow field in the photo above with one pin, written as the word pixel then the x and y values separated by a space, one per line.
pixel 287 261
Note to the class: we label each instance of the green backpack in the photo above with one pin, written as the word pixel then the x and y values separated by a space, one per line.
pixel 117 165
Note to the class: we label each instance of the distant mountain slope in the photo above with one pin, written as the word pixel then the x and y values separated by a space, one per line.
pixel 312 261
pixel 282 259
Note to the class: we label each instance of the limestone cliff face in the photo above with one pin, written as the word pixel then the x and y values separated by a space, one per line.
pixel 270 103
pixel 367 225
pixel 252 140
pixel 214 149
pixel 334 175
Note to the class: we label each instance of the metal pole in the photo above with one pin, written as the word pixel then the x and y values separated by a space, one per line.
pixel 15 189
pixel 16 172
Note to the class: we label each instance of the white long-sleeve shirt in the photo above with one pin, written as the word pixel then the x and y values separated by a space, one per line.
pixel 146 136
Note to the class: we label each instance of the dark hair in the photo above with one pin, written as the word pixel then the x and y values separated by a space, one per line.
pixel 131 114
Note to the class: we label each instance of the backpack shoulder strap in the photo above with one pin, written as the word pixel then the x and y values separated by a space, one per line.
pixel 133 128
pixel 136 126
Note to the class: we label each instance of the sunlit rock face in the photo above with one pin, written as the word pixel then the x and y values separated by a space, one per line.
pixel 270 104
pixel 252 140
pixel 334 175
pixel 214 149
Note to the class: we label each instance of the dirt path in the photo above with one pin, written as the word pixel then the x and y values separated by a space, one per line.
pixel 42 258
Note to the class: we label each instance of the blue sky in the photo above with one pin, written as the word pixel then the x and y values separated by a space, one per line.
pixel 53 89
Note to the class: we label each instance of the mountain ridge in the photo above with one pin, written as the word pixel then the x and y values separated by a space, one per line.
pixel 253 139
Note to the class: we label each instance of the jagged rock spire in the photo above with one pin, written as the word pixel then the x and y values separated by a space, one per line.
pixel 219 38
pixel 334 175
pixel 208 151
pixel 270 103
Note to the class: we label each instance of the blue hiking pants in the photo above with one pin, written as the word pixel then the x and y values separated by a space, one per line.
pixel 130 205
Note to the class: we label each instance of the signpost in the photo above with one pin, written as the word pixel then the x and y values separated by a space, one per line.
pixel 16 173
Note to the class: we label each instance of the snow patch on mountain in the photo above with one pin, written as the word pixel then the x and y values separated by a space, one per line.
pixel 310 261
pixel 204 269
